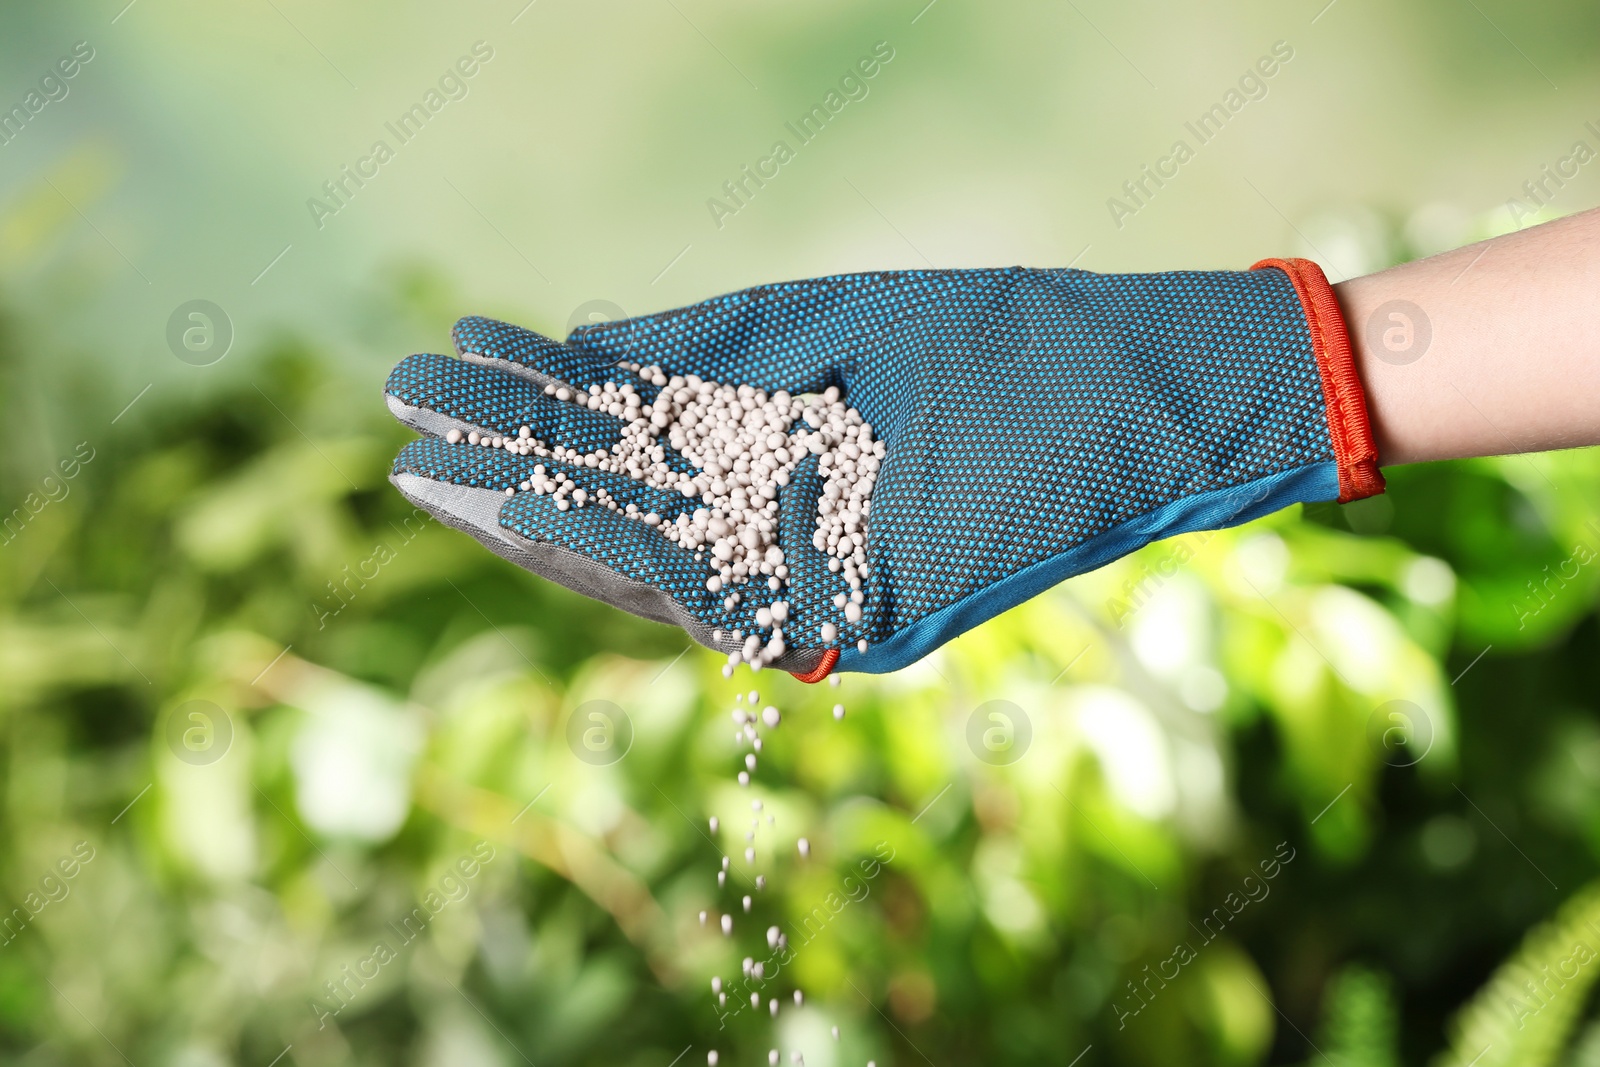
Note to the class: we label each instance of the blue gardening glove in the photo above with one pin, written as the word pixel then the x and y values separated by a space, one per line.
pixel 1038 423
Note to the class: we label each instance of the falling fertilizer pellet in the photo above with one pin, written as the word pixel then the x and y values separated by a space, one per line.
pixel 750 724
pixel 711 1058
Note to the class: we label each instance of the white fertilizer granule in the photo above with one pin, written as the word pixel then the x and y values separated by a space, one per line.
pixel 743 445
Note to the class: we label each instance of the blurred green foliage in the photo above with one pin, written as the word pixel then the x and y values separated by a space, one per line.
pixel 1290 792
pixel 287 769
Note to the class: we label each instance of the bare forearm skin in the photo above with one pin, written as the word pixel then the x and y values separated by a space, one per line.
pixel 1487 350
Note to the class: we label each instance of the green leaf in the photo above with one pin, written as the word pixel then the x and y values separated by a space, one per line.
pixel 1361 1020
pixel 1526 1012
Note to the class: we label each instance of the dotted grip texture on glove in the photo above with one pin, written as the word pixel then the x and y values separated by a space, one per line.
pixel 1039 424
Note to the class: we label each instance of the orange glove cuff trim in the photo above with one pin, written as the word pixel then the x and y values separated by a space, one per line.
pixel 822 670
pixel 1354 450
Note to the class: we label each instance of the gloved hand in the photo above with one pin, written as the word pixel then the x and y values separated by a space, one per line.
pixel 1039 424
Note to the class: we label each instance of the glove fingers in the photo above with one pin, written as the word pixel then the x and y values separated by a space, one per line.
pixel 473 396
pixel 625 546
pixel 463 464
pixel 623 543
pixel 496 469
pixel 536 357
pixel 591 550
pixel 811 587
pixel 627 554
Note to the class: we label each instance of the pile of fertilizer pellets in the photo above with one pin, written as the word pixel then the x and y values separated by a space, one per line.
pixel 750 727
pixel 743 444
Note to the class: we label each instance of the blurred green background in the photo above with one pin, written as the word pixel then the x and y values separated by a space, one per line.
pixel 1324 789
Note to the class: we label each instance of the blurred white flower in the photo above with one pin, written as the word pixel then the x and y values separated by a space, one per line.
pixel 456 1039
pixel 352 762
pixel 1436 227
pixel 1007 903
pixel 1262 560
pixel 1428 581
pixel 1205 814
pixel 1131 748
pixel 206 809
pixel 1169 632
pixel 1202 688
pixel 1347 241
pixel 1360 638
pixel 806 1029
